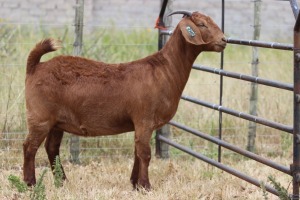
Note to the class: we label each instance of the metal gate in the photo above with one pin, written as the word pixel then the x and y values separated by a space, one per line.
pixel 294 169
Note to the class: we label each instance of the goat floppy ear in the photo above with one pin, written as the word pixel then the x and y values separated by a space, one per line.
pixel 190 31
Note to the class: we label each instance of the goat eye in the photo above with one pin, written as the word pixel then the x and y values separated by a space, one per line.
pixel 202 25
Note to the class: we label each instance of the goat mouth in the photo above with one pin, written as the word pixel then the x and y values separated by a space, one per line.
pixel 221 47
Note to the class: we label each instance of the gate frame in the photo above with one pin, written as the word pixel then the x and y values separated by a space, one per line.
pixel 294 169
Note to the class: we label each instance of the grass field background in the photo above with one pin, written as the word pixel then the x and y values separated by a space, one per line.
pixel 103 154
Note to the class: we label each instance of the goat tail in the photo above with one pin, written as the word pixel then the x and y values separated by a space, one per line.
pixel 41 48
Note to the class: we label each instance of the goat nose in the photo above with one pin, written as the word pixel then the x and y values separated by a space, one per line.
pixel 224 39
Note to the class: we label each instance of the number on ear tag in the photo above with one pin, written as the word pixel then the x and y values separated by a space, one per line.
pixel 190 31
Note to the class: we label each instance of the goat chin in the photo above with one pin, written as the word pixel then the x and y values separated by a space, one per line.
pixel 219 48
pixel 92 98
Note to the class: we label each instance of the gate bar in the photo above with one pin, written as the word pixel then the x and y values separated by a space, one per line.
pixel 296 142
pixel 256 43
pixel 232 147
pixel 254 79
pixel 252 118
pixel 166 32
pixel 221 85
pixel 219 165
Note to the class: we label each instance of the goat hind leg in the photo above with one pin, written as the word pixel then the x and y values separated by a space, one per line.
pixel 30 147
pixel 135 171
pixel 52 146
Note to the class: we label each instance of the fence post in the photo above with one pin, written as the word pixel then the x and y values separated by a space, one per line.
pixel 295 167
pixel 254 88
pixel 162 149
pixel 77 48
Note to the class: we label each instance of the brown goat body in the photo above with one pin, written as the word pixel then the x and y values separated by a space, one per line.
pixel 90 98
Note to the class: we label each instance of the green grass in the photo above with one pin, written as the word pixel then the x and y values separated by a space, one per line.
pixel 122 45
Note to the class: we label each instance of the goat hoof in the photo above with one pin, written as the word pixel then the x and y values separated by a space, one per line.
pixel 141 186
pixel 30 183
pixel 134 183
pixel 145 185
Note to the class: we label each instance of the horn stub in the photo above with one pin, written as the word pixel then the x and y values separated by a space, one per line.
pixel 183 12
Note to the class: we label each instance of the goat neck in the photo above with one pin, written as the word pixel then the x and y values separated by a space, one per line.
pixel 181 56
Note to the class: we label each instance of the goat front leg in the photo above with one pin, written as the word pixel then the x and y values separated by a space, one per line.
pixel 52 146
pixel 142 158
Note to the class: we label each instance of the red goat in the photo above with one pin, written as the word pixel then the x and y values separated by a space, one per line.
pixel 91 98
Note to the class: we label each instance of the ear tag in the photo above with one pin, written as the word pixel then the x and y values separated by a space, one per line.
pixel 190 31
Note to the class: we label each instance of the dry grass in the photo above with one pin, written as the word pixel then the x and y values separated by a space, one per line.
pixel 181 178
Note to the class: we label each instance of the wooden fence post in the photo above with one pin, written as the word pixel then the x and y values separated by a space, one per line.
pixel 254 89
pixel 162 149
pixel 77 49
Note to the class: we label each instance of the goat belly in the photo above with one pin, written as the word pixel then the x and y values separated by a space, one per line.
pixel 89 125
pixel 85 131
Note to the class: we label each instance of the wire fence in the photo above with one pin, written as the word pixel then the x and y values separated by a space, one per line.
pixel 112 40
